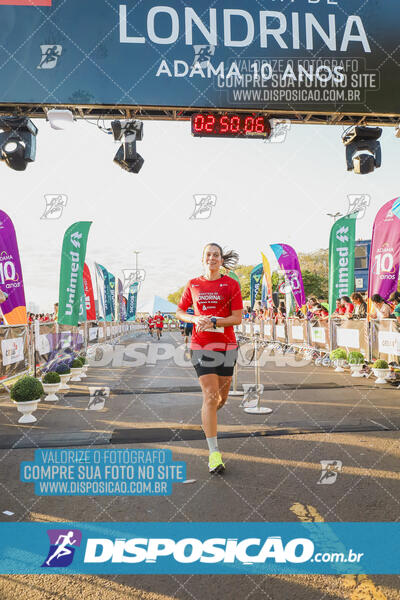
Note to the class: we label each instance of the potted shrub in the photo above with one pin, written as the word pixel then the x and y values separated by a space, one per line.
pixel 356 361
pixel 76 370
pixel 51 383
pixel 65 373
pixel 381 370
pixel 338 357
pixel 82 359
pixel 25 393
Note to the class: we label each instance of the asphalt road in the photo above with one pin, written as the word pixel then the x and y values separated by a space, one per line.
pixel 272 476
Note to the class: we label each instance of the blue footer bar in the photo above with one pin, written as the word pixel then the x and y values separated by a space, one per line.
pixel 196 548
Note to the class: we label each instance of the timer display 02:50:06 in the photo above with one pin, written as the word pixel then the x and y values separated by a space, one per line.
pixel 236 125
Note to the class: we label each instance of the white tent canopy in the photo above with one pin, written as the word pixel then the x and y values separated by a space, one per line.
pixel 158 304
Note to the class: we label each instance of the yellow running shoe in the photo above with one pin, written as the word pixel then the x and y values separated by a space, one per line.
pixel 215 464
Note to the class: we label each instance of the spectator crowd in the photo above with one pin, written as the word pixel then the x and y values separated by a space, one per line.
pixel 353 307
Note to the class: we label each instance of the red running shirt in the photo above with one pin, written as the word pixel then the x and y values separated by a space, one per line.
pixel 159 321
pixel 216 298
pixel 150 321
pixel 349 309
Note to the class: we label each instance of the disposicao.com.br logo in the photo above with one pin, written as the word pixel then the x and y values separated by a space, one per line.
pixel 181 548
pixel 247 551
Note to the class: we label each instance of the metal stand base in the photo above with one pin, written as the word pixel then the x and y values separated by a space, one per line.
pixel 236 393
pixel 258 410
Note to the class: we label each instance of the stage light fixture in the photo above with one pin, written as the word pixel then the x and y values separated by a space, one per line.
pixel 129 132
pixel 17 142
pixel 363 151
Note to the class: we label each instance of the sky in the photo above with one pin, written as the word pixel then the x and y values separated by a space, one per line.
pixel 265 193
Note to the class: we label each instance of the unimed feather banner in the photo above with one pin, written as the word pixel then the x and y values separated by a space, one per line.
pixel 71 272
pixel 341 259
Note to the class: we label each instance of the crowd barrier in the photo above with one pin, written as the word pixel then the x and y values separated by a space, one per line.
pixel 375 339
pixel 24 347
pixel 15 350
pixel 297 332
pixel 385 340
pixel 354 334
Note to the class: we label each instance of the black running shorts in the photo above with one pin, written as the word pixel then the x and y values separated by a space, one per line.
pixel 208 362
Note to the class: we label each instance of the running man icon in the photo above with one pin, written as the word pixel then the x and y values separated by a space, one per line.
pixel 329 471
pixel 50 55
pixel 204 204
pixel 61 551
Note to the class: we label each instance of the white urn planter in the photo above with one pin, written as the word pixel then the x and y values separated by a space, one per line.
pixel 50 389
pixel 356 370
pixel 26 409
pixel 64 381
pixel 381 375
pixel 76 374
pixel 340 362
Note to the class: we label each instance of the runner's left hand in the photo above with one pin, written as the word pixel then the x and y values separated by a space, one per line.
pixel 204 323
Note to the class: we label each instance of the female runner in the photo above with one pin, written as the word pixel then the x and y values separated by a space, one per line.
pixel 217 303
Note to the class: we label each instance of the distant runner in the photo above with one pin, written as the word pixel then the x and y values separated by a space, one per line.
pixel 150 323
pixel 159 321
pixel 217 303
pixel 188 327
pixel 182 326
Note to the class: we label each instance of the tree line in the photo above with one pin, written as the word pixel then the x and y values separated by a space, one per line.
pixel 314 269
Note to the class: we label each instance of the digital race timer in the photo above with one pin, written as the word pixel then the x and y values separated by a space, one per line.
pixel 239 125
